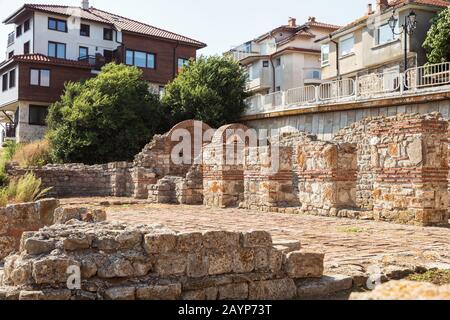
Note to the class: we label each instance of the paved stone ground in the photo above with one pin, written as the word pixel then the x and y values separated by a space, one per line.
pixel 346 242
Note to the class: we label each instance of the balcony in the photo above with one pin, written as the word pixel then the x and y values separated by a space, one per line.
pixel 11 38
pixel 312 76
pixel 375 86
pixel 96 62
pixel 262 82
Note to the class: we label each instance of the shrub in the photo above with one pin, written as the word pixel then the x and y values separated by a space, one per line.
pixel 33 154
pixel 6 154
pixel 25 189
pixel 211 89
pixel 437 42
pixel 104 119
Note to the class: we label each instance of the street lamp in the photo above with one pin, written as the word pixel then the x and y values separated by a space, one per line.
pixel 407 29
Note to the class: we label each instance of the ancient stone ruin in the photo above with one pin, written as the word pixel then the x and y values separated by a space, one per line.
pixel 117 261
pixel 391 169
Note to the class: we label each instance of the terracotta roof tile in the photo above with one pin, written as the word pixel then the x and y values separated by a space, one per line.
pixel 119 22
pixel 40 58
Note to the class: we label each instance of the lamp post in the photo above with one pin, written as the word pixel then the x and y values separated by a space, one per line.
pixel 407 29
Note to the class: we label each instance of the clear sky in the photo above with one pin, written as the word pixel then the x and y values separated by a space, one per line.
pixel 219 23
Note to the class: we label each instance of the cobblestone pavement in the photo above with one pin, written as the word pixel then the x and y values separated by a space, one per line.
pixel 344 241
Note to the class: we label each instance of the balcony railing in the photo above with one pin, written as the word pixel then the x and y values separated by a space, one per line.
pixel 371 86
pixel 11 38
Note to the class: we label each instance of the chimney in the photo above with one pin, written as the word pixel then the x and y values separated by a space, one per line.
pixel 382 5
pixel 292 22
pixel 85 4
pixel 369 9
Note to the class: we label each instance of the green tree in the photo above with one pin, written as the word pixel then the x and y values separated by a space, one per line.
pixel 437 42
pixel 211 89
pixel 104 119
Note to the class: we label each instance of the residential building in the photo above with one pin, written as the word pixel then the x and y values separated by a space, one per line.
pixel 53 44
pixel 368 45
pixel 284 58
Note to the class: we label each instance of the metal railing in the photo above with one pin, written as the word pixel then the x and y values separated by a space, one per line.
pixel 371 86
pixel 301 95
pixel 338 89
pixel 378 83
pixel 428 76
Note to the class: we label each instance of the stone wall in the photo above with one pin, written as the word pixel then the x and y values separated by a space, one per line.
pixel 18 218
pixel 125 262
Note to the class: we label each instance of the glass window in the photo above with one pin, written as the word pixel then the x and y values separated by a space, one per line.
pixel 84 52
pixel 150 61
pixel 37 115
pixel 385 34
pixel 181 63
pixel 5 82
pixel 45 78
pixel 278 62
pixel 26 48
pixel 18 31
pixel 107 34
pixel 140 59
pixel 129 58
pixel 85 30
pixel 57 50
pixel 34 77
pixel 325 54
pixel 265 64
pixel 57 25
pixel 12 78
pixel 347 46
pixel 11 54
pixel 26 25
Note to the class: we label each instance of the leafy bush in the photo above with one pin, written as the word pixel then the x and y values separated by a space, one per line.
pixel 37 154
pixel 107 118
pixel 25 189
pixel 6 155
pixel 211 89
pixel 437 42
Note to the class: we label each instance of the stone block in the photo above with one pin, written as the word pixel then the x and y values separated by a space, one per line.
pixel 301 264
pixel 208 294
pixel 159 292
pixel 23 216
pixel 220 240
pixel 46 208
pixel 280 289
pixel 220 262
pixel 63 215
pixel 120 293
pixel 275 260
pixel 115 267
pixel 244 260
pixel 52 270
pixel 197 265
pixel 262 261
pixel 171 264
pixel 160 243
pixel 189 242
pixel 234 291
pixel 323 287
pixel 77 242
pixel 35 246
pixel 255 239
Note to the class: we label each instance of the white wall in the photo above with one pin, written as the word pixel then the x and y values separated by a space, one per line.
pixel 9 95
pixel 17 47
pixel 72 38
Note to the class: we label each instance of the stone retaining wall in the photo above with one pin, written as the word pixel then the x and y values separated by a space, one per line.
pixel 120 261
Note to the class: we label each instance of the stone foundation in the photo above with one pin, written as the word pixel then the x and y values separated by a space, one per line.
pixel 125 262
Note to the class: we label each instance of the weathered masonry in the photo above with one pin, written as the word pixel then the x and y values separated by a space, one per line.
pixel 384 168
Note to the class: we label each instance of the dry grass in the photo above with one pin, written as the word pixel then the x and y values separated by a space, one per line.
pixel 35 154
pixel 25 189
pixel 438 277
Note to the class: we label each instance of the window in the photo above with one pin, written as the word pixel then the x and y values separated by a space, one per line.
pixel 140 59
pixel 18 31
pixel 5 82
pixel 37 115
pixel 325 54
pixel 85 30
pixel 278 62
pixel 57 50
pixel 10 55
pixel 346 46
pixel 277 89
pixel 12 78
pixel 385 34
pixel 265 64
pixel 40 77
pixel 57 25
pixel 107 34
pixel 181 63
pixel 26 26
pixel 84 52
pixel 26 48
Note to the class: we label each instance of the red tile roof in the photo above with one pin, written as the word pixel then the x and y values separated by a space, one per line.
pixel 40 58
pixel 119 22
